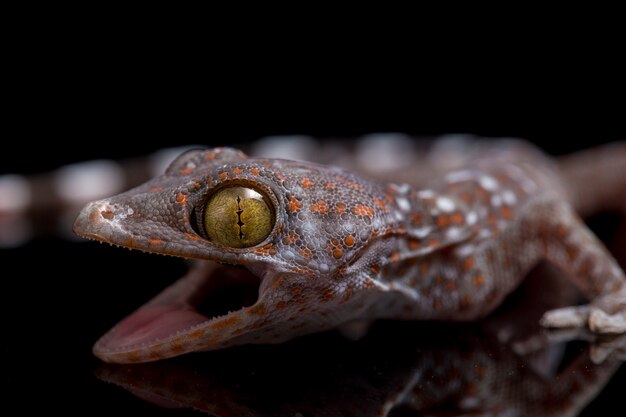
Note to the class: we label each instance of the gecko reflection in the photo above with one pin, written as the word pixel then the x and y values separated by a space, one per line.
pixel 400 369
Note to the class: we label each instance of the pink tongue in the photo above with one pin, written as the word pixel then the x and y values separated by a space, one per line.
pixel 151 323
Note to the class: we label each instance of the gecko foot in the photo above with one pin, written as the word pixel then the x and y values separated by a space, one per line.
pixel 606 315
pixel 596 319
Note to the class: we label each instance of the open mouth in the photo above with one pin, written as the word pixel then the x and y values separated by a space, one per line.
pixel 210 293
pixel 230 288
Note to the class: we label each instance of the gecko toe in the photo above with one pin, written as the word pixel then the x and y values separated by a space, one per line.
pixel 601 322
pixel 566 317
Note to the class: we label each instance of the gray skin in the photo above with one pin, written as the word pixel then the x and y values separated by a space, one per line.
pixel 346 249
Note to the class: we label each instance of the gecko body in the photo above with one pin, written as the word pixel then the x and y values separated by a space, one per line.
pixel 318 247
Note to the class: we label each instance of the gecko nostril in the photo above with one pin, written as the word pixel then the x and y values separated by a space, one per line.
pixel 107 214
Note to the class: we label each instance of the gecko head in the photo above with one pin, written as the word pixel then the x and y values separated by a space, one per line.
pixel 286 249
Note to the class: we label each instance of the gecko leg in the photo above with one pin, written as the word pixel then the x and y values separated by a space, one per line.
pixel 565 241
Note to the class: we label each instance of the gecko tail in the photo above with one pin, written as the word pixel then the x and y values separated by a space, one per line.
pixel 596 178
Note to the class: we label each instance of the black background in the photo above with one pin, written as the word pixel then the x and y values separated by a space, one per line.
pixel 70 101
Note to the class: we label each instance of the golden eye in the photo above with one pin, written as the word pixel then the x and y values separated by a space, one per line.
pixel 238 217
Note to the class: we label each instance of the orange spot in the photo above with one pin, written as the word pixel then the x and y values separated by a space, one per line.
pixel 197 185
pixel 414 244
pixel 374 268
pixel 306 252
pixel 281 305
pixel 279 175
pixel 482 193
pixel 277 282
pixel 340 208
pixel 294 204
pixel 337 253
pixel 181 198
pixel 177 349
pixel 186 171
pixel 320 207
pixel 266 250
pixel 328 294
pixel 197 334
pixel 479 280
pixel 363 210
pixel 254 171
pixel 451 286
pixel 442 221
pixel 223 175
pixel 348 294
pixel 258 309
pixel 381 204
pixel 229 321
pixel 154 355
pixel 237 170
pixel 192 237
pixel 349 240
pixel 296 291
pixel 457 218
pixel 416 219
pixel 395 256
pixel 209 156
pixel 107 214
pixel 585 267
pixel 433 243
pixel 468 263
pixel 562 230
pixel 290 238
pixel 389 198
pixel 572 252
pixel 155 242
pixel 506 212
pixel 306 183
pixel 331 186
pixel 154 189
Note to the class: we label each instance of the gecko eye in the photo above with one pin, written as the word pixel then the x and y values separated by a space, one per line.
pixel 238 217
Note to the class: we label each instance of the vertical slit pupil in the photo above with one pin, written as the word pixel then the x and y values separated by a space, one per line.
pixel 239 222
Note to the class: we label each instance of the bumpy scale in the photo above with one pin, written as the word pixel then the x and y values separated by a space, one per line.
pixel 344 249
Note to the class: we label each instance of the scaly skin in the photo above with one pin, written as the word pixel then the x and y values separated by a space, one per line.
pixel 346 249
